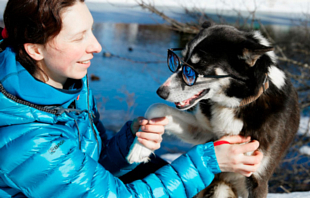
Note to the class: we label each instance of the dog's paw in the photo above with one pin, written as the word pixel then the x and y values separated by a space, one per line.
pixel 157 110
pixel 138 153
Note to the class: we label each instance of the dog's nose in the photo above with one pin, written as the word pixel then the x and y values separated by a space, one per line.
pixel 163 92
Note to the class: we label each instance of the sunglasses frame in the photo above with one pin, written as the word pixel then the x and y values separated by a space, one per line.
pixel 183 63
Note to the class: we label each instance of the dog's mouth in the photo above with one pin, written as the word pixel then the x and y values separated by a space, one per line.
pixel 191 101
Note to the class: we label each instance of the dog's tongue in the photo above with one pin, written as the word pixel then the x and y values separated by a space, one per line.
pixel 183 103
pixel 187 102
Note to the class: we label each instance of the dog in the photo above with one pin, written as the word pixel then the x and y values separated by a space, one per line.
pixel 238 90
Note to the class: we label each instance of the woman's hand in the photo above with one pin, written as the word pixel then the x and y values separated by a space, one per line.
pixel 150 134
pixel 231 157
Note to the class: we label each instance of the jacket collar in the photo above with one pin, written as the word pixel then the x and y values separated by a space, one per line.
pixel 18 82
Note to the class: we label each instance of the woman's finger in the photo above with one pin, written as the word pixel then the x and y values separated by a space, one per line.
pixel 248 168
pixel 153 128
pixel 256 158
pixel 149 144
pixel 142 121
pixel 249 147
pixel 136 124
pixel 250 160
pixel 150 136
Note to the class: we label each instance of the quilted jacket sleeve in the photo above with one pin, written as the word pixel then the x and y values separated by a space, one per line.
pixel 115 150
pixel 42 164
pixel 113 155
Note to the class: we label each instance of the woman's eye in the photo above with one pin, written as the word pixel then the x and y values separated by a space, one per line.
pixel 80 38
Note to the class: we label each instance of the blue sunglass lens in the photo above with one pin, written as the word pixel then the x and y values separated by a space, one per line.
pixel 189 75
pixel 173 62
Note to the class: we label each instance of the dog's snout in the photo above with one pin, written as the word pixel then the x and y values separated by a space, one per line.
pixel 163 92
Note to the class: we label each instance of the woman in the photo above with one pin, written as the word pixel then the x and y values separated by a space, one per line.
pixel 52 143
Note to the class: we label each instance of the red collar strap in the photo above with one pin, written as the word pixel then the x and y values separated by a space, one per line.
pixel 4 33
pixel 217 143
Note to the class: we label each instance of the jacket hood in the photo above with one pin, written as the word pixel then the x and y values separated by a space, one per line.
pixel 24 99
pixel 20 83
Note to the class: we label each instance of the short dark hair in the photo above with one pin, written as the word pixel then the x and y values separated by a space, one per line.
pixel 32 21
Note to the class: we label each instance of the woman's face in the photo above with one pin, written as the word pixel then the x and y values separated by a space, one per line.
pixel 68 55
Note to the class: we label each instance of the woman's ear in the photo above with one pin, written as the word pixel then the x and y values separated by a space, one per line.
pixel 34 51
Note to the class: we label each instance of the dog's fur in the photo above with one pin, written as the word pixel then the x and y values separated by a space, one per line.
pixel 233 105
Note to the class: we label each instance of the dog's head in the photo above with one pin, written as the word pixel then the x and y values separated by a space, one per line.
pixel 221 50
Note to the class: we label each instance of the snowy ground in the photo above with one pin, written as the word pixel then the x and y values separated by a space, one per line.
pixel 286 6
pixel 290 195
pixel 276 11
pixel 304 125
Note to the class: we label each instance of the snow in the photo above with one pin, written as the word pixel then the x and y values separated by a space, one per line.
pixel 170 157
pixel 304 126
pixel 274 11
pixel 290 195
pixel 305 150
pixel 287 6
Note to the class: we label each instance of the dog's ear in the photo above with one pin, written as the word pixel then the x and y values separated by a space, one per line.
pixel 206 24
pixel 252 53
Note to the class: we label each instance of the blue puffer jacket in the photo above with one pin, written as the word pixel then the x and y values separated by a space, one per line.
pixel 53 145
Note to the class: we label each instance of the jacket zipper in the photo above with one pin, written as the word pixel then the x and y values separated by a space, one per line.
pixel 54 111
pixel 89 115
pixel 14 98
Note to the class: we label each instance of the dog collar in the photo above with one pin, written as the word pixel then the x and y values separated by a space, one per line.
pixel 217 143
pixel 262 90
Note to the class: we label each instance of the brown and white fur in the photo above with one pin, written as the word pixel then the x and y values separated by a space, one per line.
pixel 258 101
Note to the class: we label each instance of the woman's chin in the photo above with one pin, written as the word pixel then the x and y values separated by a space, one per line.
pixel 79 75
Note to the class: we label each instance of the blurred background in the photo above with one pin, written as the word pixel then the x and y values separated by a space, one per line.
pixel 135 36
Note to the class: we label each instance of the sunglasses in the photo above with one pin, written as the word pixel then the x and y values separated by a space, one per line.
pixel 189 74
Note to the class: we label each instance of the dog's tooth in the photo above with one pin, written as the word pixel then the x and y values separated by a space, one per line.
pixel 182 103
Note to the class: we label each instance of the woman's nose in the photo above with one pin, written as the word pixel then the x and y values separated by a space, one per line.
pixel 94 46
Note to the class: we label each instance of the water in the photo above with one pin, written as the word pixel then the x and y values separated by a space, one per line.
pixel 133 76
pixel 129 78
